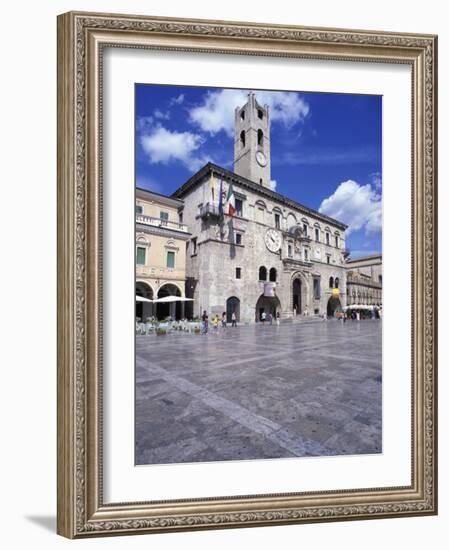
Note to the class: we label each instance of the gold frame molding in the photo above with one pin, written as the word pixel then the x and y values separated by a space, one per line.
pixel 81 37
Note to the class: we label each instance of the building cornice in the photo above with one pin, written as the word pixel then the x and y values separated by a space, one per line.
pixel 364 258
pixel 145 195
pixel 163 232
pixel 209 168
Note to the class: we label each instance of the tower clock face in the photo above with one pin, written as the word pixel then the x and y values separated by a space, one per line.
pixel 261 158
pixel 273 240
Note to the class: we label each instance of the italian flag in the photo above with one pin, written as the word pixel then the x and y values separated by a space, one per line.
pixel 230 200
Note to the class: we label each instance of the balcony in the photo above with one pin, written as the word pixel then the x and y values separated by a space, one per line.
pixel 157 222
pixel 209 210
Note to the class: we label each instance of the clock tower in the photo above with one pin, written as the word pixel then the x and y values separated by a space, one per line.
pixel 252 142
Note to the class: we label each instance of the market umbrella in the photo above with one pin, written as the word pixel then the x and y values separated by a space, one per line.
pixel 166 299
pixel 142 299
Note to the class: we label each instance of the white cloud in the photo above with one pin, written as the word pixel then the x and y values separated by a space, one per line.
pixel 143 123
pixel 216 113
pixel 177 100
pixel 359 206
pixel 376 179
pixel 273 185
pixel 159 114
pixel 163 146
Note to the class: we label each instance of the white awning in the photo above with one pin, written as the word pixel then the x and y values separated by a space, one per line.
pixel 142 299
pixel 166 299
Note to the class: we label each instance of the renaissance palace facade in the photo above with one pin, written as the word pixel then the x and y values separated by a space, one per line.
pixel 274 255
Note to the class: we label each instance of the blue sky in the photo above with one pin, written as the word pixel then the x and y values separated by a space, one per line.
pixel 326 150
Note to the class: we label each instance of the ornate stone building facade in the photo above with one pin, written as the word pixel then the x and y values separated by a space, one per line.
pixel 160 253
pixel 364 280
pixel 274 255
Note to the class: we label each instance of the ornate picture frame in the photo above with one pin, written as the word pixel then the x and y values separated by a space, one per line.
pixel 82 38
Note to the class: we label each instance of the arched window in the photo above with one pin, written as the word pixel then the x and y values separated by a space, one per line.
pixel 331 282
pixel 262 273
pixel 242 138
pixel 336 282
pixel 259 137
pixel 273 275
pixel 242 114
pixel 260 113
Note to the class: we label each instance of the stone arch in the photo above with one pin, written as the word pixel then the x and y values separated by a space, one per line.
pixel 262 273
pixel 169 309
pixel 144 310
pixel 273 275
pixel 242 138
pixel 267 305
pixel 299 293
pixel 232 306
pixel 333 306
pixel 291 221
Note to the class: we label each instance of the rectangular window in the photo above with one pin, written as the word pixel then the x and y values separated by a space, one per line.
pixel 170 259
pixel 141 255
pixel 194 241
pixel 139 209
pixel 277 221
pixel 238 238
pixel 163 216
pixel 306 255
pixel 238 272
pixel 316 289
pixel 327 238
pixel 304 227
pixel 317 234
pixel 290 252
pixel 239 207
pixel 328 259
pixel 336 241
pixel 180 217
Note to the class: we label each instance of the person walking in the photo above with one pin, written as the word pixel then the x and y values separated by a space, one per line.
pixel 233 319
pixel 223 319
pixel 215 323
pixel 205 320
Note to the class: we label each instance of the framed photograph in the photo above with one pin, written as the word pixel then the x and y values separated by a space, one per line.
pixel 246 274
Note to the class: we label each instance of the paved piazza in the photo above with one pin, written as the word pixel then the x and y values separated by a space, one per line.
pixel 307 388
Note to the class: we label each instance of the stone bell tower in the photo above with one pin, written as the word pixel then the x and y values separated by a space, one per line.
pixel 252 142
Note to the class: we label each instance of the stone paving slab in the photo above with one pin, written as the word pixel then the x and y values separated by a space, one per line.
pixel 251 392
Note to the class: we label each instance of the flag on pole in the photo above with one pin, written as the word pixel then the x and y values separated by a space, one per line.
pixel 212 186
pixel 230 199
pixel 220 198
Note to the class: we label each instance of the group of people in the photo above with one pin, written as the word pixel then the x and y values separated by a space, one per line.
pixel 216 321
pixel 270 317
pixel 357 315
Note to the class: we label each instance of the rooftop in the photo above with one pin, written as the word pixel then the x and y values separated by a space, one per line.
pixel 257 188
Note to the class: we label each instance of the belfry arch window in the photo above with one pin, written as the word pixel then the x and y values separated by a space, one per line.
pixel 260 137
pixel 262 273
pixel 242 138
pixel 260 113
pixel 273 275
pixel 331 282
pixel 337 282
